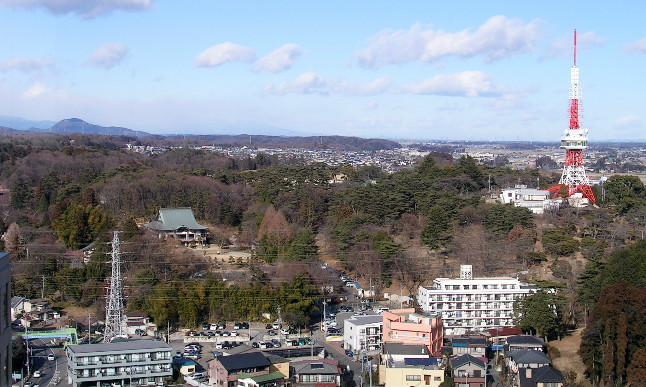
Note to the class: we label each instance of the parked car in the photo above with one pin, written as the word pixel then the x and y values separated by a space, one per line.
pixel 244 325
pixel 301 341
pixel 271 333
pixel 206 326
pixel 37 374
pixel 255 344
pixel 263 345
pixel 214 327
pixel 269 326
pixel 234 333
pixel 222 326
pixel 349 353
pixel 275 326
pixel 226 334
pixel 140 332
pixel 275 343
pixel 51 357
pixel 236 325
pixel 284 331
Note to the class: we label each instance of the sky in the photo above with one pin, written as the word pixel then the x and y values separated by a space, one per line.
pixel 418 70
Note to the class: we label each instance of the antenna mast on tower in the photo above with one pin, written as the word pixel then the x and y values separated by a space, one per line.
pixel 114 311
pixel 575 140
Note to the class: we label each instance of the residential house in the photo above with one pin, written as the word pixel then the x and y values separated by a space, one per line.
pixel 316 373
pixel 225 370
pixel 17 307
pixel 545 376
pixel 498 336
pixel 468 304
pixel 409 365
pixel 472 345
pixel 469 371
pixel 142 362
pixel 272 379
pixel 524 342
pixel 406 326
pixel 136 321
pixel 37 311
pixel 184 366
pixel 178 223
pixel 526 358
pixel 362 333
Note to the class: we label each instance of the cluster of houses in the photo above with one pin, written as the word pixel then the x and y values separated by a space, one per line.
pixel 412 349
pixel 465 322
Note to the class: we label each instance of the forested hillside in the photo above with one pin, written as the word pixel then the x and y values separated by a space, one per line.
pixel 393 232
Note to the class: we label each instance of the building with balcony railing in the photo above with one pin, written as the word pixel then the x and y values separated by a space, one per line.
pixel 362 333
pixel 407 327
pixel 141 362
pixel 468 304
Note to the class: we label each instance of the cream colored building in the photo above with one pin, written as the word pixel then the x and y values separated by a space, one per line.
pixel 405 376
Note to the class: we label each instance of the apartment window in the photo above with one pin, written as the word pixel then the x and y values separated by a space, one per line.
pixel 413 378
pixel 437 379
pixel 466 287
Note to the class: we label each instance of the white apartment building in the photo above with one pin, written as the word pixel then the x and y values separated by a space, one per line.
pixel 473 304
pixel 142 362
pixel 361 333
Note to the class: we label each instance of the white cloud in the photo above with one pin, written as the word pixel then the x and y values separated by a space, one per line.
pixel 312 83
pixel 628 122
pixel 464 84
pixel 36 90
pixel 108 55
pixel 223 53
pixel 279 60
pixel 306 83
pixel 497 38
pixel 638 46
pixel 26 64
pixel 564 46
pixel 86 9
pixel 378 86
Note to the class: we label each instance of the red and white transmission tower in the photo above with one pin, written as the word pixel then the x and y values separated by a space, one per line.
pixel 575 141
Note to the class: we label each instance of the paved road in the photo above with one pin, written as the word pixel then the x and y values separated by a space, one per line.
pixel 50 370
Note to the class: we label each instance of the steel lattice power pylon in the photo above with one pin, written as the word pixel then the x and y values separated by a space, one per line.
pixel 575 140
pixel 114 312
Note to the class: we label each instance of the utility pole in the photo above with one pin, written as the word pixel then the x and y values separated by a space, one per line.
pixel 42 292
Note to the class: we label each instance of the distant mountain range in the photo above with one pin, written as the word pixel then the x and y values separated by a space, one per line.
pixel 23 124
pixel 77 125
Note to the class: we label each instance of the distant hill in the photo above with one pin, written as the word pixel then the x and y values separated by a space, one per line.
pixel 5 130
pixel 77 125
pixel 348 143
pixel 23 124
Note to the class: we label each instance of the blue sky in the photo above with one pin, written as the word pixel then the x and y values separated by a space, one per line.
pixel 469 70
